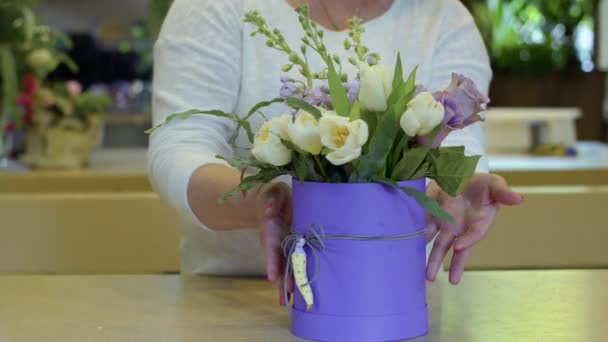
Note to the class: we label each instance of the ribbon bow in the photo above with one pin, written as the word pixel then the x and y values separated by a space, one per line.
pixel 295 264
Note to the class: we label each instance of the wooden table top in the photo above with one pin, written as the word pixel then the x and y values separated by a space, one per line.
pixel 488 306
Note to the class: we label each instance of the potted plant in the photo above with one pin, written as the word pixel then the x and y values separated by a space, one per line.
pixel 65 127
pixel 28 53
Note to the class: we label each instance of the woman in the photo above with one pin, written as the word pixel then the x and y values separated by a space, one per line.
pixel 205 59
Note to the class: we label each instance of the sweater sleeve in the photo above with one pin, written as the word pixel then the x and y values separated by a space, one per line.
pixel 460 49
pixel 197 64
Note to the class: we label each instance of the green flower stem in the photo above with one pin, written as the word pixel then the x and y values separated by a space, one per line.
pixel 276 40
pixel 356 29
pixel 313 32
pixel 320 166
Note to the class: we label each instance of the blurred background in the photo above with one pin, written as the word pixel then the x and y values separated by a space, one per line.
pixel 75 78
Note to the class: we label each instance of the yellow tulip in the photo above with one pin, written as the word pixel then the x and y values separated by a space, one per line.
pixel 423 114
pixel 267 145
pixel 343 137
pixel 304 133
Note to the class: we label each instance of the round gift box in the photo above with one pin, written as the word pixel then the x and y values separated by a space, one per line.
pixel 364 291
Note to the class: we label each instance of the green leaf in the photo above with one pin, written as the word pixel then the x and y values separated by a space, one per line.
pixel 243 163
pixel 263 104
pixel 189 113
pixel 452 170
pixel 68 62
pixel 398 150
pixel 411 80
pixel 247 127
pixel 337 174
pixel 372 122
pixel 251 182
pixel 423 170
pixel 397 81
pixel 385 133
pixel 375 158
pixel 292 146
pixel 448 149
pixel 339 97
pixel 305 168
pixel 412 160
pixel 431 205
pixel 296 103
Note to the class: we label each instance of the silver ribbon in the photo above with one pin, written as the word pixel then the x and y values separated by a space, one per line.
pixel 315 240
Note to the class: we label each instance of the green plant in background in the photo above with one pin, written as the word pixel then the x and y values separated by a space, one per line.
pixel 65 103
pixel 536 36
pixel 143 35
pixel 157 12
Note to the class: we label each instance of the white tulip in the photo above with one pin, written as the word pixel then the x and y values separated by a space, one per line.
pixel 304 133
pixel 344 138
pixel 423 114
pixel 376 86
pixel 267 145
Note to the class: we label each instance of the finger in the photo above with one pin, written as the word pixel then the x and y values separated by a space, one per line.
pixel 457 264
pixel 290 288
pixel 277 200
pixel 281 291
pixel 431 231
pixel 476 232
pixel 272 235
pixel 455 207
pixel 501 192
pixel 286 210
pixel 440 249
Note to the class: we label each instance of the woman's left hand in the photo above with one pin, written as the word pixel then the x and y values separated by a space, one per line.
pixel 474 212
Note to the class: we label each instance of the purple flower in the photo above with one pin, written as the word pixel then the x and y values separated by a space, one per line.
pixel 352 90
pixel 317 96
pixel 325 97
pixel 290 89
pixel 462 102
pixel 454 115
pixel 464 91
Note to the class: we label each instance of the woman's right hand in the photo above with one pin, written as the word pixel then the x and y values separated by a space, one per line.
pixel 273 207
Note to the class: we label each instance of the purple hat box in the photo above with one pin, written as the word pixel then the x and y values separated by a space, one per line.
pixel 364 291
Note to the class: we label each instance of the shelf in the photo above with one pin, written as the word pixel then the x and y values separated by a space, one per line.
pixel 137 119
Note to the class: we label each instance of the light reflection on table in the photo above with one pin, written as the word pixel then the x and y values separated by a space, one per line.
pixel 487 306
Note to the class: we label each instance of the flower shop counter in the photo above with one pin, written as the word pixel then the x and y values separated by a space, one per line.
pixel 124 170
pixel 588 167
pixel 110 170
pixel 103 219
pixel 486 306
pixel 106 219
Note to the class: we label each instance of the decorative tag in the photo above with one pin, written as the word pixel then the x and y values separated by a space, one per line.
pixel 298 262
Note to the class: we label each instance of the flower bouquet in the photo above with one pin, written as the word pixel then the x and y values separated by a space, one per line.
pixel 63 125
pixel 360 148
